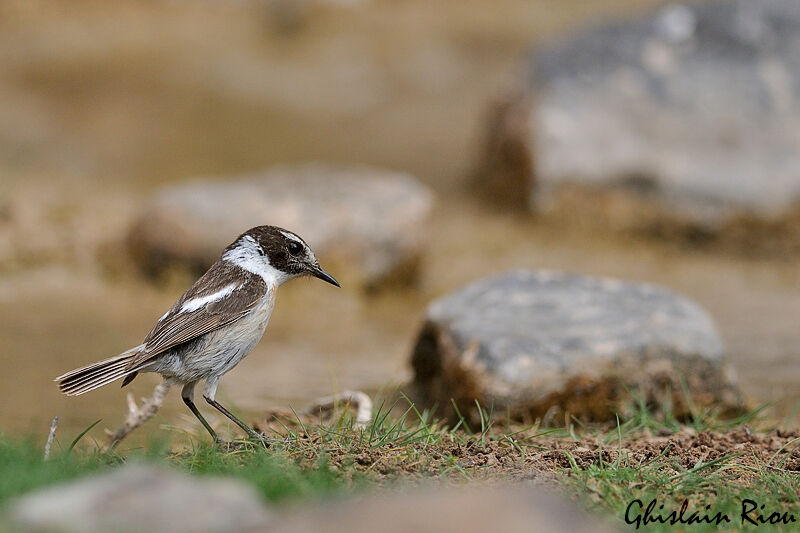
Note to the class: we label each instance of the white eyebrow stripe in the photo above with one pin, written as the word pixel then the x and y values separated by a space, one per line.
pixel 290 235
pixel 197 303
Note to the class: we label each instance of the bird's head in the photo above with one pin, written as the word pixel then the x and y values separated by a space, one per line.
pixel 276 254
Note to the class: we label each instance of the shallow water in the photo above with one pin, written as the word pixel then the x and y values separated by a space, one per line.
pixel 94 128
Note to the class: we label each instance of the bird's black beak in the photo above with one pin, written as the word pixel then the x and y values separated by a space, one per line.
pixel 317 272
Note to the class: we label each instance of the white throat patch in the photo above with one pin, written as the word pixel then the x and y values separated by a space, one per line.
pixel 247 256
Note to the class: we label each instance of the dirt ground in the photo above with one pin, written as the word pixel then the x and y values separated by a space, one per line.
pixel 549 459
pixel 534 455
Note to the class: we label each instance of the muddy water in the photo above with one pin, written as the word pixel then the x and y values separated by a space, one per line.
pixel 172 92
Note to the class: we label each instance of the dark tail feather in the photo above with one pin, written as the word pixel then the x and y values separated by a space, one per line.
pixel 129 378
pixel 96 375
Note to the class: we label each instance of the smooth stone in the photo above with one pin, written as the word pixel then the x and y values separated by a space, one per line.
pixel 371 223
pixel 693 110
pixel 536 342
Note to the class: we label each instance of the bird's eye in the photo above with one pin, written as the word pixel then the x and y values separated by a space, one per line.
pixel 295 247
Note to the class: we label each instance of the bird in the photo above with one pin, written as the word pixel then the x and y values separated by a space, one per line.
pixel 214 324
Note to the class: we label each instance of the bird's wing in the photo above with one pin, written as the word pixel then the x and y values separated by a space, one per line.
pixel 222 295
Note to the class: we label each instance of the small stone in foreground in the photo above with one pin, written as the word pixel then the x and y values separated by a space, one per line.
pixel 515 509
pixel 138 499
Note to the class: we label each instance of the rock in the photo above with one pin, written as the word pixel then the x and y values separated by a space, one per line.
pixel 515 509
pixel 142 499
pixel 692 110
pixel 138 498
pixel 372 221
pixel 535 343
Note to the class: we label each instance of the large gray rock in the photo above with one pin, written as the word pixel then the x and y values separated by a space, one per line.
pixel 514 509
pixel 137 499
pixel 372 221
pixel 533 342
pixel 695 107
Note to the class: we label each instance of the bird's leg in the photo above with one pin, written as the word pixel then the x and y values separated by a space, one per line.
pixel 210 392
pixel 247 429
pixel 188 398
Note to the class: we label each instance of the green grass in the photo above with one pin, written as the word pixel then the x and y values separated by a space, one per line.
pixel 708 488
pixel 624 487
pixel 274 475
pixel 313 461
pixel 23 469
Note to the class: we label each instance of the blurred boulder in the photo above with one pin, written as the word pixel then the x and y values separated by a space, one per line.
pixel 138 498
pixel 693 110
pixel 539 344
pixel 146 499
pixel 370 223
pixel 514 509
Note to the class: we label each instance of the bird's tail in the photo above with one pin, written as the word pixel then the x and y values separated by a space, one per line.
pixel 88 378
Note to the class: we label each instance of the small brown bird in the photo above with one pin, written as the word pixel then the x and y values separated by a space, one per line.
pixel 215 324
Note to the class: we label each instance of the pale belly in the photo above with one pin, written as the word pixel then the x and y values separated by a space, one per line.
pixel 217 352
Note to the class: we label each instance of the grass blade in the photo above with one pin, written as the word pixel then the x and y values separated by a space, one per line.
pixel 81 434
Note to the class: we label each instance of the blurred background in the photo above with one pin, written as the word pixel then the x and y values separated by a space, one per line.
pixel 102 104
